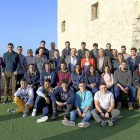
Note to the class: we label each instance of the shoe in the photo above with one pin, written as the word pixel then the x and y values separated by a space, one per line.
pixel 11 110
pixel 68 123
pixel 43 119
pixel 130 106
pixel 5 101
pixel 103 123
pixel 13 102
pixel 119 105
pixel 34 112
pixel 66 116
pixel 54 116
pixel 84 124
pixel 25 113
pixel 110 123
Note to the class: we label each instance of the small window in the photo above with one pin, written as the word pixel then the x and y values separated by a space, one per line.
pixel 63 26
pixel 94 11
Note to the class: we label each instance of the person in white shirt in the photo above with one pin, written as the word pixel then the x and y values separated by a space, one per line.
pixel 123 50
pixel 104 103
pixel 24 98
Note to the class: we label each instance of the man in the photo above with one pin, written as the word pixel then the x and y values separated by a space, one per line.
pixel 123 50
pixel 133 60
pixel 10 68
pixel 72 60
pixel 51 52
pixel 81 52
pixel 83 104
pixel 62 100
pixel 1 63
pixel 48 73
pixel 67 50
pixel 104 103
pixel 30 57
pixel 95 51
pixel 43 101
pixel 63 73
pixel 23 98
pixel 23 63
pixel 56 61
pixel 42 45
pixel 108 51
pixel 114 57
pixel 103 61
pixel 123 82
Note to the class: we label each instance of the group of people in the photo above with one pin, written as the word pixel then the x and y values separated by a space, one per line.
pixel 74 83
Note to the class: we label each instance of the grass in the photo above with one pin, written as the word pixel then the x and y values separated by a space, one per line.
pixel 15 127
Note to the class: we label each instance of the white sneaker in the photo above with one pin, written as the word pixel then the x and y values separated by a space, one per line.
pixel 43 119
pixel 84 124
pixel 34 112
pixel 25 113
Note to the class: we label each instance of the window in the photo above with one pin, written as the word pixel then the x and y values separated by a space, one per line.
pixel 63 26
pixel 94 11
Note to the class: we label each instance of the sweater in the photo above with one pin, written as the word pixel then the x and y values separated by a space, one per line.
pixel 46 52
pixel 81 53
pixel 66 52
pixel 108 53
pixel 51 54
pixel 136 78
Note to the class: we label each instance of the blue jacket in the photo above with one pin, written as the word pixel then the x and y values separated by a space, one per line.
pixel 60 95
pixel 84 99
pixel 11 62
pixel 51 75
pixel 76 78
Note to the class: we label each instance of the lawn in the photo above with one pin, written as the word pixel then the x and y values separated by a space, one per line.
pixel 15 127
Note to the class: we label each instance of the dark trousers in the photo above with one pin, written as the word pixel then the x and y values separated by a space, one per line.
pixel 19 77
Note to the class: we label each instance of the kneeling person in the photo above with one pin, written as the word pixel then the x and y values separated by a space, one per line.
pixel 104 103
pixel 83 104
pixel 24 99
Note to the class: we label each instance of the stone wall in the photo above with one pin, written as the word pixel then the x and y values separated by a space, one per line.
pixel 114 24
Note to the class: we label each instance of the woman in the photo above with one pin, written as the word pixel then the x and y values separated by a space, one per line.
pixel 92 79
pixel 136 83
pixel 39 61
pixel 87 61
pixel 108 78
pixel 77 76
pixel 118 61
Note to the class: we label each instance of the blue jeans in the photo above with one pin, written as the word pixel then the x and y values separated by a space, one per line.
pixel 41 105
pixel 94 90
pixel 132 90
pixel 74 113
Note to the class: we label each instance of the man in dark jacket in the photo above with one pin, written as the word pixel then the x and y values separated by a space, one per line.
pixel 67 50
pixel 42 45
pixel 108 51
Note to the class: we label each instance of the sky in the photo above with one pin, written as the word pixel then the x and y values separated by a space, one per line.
pixel 26 22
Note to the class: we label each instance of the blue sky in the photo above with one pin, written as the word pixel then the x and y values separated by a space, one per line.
pixel 26 23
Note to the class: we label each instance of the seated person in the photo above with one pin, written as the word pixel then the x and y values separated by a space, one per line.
pixel 92 79
pixel 63 73
pixel 43 101
pixel 104 103
pixel 123 82
pixel 84 105
pixel 77 76
pixel 48 73
pixel 108 78
pixel 24 98
pixel 62 100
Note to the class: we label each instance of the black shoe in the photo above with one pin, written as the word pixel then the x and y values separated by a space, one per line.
pixel 5 101
pixel 54 116
pixel 66 116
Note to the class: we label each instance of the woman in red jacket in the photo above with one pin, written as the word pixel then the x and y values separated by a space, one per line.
pixel 85 62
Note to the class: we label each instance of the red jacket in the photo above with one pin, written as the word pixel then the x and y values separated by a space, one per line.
pixel 61 75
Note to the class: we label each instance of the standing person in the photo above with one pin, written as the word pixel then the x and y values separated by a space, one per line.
pixel 51 52
pixel 81 52
pixel 67 50
pixel 95 51
pixel 114 57
pixel 10 68
pixel 123 82
pixel 92 79
pixel 42 45
pixel 103 61
pixel 30 57
pixel 39 61
pixel 1 63
pixel 123 50
pixel 56 61
pixel 108 79
pixel 72 59
pixel 108 50
pixel 85 62
pixel 84 105
pixel 104 103
pixel 23 63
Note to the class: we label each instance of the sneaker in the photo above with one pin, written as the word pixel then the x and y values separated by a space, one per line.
pixel 5 101
pixel 54 116
pixel 43 119
pixel 25 113
pixel 34 112
pixel 11 110
pixel 110 123
pixel 103 123
pixel 13 102
pixel 68 123
pixel 84 124
pixel 66 116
